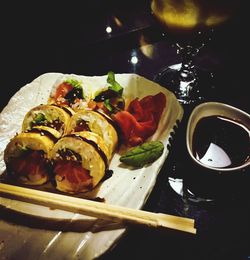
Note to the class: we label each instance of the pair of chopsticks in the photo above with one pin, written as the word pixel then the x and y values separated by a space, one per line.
pixel 96 209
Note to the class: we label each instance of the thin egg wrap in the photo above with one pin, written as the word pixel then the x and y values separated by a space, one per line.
pixel 26 156
pixel 88 120
pixel 79 161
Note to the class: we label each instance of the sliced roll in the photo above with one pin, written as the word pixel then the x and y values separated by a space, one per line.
pixel 26 156
pixel 88 120
pixel 79 162
pixel 68 90
pixel 56 117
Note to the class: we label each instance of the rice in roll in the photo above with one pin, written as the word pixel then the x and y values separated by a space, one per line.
pixel 80 161
pixel 68 90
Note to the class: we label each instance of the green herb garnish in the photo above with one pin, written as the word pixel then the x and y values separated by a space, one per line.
pixel 108 105
pixel 39 119
pixel 114 85
pixel 143 154
pixel 112 96
pixel 76 92
pixel 74 83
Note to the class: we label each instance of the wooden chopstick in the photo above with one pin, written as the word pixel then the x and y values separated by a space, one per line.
pixel 98 209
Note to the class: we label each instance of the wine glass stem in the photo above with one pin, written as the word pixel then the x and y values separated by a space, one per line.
pixel 187 70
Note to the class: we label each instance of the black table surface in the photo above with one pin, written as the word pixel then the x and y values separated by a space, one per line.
pixel 72 38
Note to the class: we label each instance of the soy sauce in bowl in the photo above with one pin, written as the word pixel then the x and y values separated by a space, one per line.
pixel 220 142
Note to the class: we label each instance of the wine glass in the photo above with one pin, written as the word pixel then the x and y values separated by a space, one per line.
pixel 191 23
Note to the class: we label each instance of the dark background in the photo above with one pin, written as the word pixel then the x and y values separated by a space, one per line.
pixel 67 37
pixel 39 37
pixel 70 37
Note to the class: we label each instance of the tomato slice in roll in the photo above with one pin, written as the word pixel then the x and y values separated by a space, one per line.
pixel 80 161
pixel 30 167
pixel 26 156
pixel 62 90
pixel 71 175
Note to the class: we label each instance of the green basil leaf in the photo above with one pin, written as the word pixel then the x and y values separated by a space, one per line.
pixel 111 77
pixel 143 154
pixel 114 85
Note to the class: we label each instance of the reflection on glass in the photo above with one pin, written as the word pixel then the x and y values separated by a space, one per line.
pixel 215 156
pixel 221 142
pixel 146 48
pixel 117 21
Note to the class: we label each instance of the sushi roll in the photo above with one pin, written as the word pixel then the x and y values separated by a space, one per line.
pixel 109 99
pixel 52 116
pixel 26 156
pixel 69 91
pixel 79 162
pixel 96 122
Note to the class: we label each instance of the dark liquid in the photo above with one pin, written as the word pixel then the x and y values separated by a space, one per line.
pixel 221 142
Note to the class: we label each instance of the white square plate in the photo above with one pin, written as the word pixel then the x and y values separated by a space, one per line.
pixel 44 233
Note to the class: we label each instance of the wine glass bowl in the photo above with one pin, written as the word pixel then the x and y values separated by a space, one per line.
pixel 184 17
pixel 191 24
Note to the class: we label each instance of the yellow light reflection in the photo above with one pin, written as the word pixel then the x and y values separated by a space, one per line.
pixel 146 48
pixel 117 21
pixel 189 14
pixel 215 19
pixel 185 17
